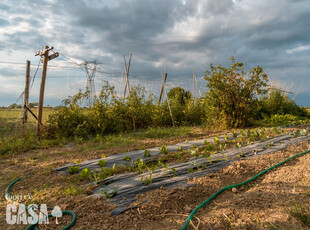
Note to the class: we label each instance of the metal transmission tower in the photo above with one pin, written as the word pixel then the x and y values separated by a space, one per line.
pixel 90 69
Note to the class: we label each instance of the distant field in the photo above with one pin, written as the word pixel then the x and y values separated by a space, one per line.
pixel 11 120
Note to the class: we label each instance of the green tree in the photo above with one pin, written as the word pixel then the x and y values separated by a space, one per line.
pixel 179 94
pixel 231 96
pixel 33 104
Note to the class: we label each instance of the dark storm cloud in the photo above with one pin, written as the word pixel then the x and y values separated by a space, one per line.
pixel 177 34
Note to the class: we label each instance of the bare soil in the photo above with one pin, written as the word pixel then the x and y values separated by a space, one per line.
pixel 266 203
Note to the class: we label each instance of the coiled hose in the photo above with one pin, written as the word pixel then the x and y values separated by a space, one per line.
pixel 191 215
pixel 35 226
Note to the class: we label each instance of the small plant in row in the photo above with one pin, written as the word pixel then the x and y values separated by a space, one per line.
pixel 74 169
pixel 147 153
pixel 110 193
pixel 126 158
pixel 102 163
pixel 148 180
pixel 163 149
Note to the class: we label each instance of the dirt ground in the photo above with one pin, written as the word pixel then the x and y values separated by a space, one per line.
pixel 279 199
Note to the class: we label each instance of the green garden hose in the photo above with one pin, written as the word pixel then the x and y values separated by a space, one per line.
pixel 7 194
pixel 34 226
pixel 191 215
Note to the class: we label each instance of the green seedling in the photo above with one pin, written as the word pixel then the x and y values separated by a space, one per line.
pixel 163 149
pixel 77 161
pixel 275 130
pixel 148 180
pixel 74 169
pixel 126 158
pixel 248 132
pixel 217 141
pixel 110 193
pixel 142 147
pixel 256 133
pixel 96 177
pixel 209 147
pixel 102 163
pixel 193 146
pixel 109 171
pixel 85 174
pixel 206 155
pixel 194 152
pixel 234 134
pixel 225 136
pixel 147 153
pixel 140 165
pixel 103 156
pixel 194 167
pixel 222 147
pixel 163 165
pixel 304 132
pixel 242 154
pixel 238 145
pixel 191 170
pixel 177 156
pixel 242 133
pixel 174 171
pixel 180 148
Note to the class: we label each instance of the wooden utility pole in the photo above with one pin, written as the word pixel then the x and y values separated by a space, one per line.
pixel 163 86
pixel 26 94
pixel 45 58
pixel 127 73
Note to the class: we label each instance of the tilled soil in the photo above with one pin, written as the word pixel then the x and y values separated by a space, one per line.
pixel 273 201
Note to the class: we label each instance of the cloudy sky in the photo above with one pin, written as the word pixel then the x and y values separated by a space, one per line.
pixel 177 34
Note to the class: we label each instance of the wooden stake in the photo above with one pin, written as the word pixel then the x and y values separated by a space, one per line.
pixel 162 86
pixel 194 82
pixel 195 78
pixel 127 73
pixel 26 96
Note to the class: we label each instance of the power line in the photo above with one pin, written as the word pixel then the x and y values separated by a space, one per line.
pixel 34 76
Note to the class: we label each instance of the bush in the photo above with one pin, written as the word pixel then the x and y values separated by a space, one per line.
pixel 112 114
pixel 231 99
pixel 285 120
pixel 278 102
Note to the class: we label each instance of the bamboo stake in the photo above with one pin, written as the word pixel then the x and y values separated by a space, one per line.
pixel 164 88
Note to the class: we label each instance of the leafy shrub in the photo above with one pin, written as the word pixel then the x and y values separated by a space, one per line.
pixel 277 102
pixel 286 120
pixel 231 99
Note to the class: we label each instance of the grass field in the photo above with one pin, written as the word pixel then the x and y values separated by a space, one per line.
pixel 11 121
